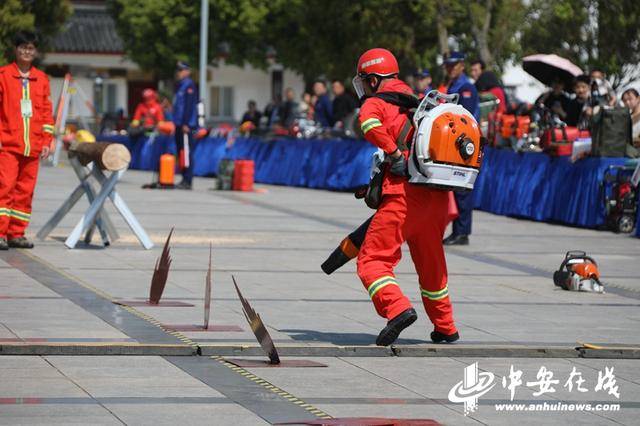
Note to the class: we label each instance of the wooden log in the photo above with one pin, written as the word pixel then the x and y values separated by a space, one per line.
pixel 106 155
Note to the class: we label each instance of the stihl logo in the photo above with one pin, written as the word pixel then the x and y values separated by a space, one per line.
pixel 459 173
pixel 372 62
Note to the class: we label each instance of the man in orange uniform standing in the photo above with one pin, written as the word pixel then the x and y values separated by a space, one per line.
pixel 26 134
pixel 408 212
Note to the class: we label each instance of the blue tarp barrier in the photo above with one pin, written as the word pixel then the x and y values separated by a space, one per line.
pixel 543 188
pixel 530 185
pixel 638 221
pixel 335 164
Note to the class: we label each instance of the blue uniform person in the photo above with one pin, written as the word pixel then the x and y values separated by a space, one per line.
pixel 422 82
pixel 460 84
pixel 185 118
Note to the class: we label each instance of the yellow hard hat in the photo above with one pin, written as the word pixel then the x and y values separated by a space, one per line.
pixel 85 136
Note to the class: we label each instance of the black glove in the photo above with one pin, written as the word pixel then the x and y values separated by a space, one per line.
pixel 398 166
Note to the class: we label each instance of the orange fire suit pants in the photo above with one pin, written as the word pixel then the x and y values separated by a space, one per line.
pixel 18 175
pixel 420 219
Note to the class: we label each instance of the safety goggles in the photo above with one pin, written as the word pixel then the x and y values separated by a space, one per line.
pixel 358 86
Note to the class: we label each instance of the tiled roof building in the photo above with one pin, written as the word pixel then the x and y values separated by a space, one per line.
pixel 88 30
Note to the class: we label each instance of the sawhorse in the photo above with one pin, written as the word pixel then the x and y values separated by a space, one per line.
pixel 95 216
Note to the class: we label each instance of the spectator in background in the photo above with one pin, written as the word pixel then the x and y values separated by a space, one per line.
pixel 252 114
pixel 488 82
pixel 422 82
pixel 167 108
pixel 323 108
pixel 476 68
pixel 273 109
pixel 149 112
pixel 557 100
pixel 459 83
pixel 344 103
pixel 604 89
pixel 631 100
pixel 579 110
pixel 312 107
pixel 289 108
pixel 304 107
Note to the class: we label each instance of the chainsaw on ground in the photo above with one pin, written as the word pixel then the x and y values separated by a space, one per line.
pixel 578 272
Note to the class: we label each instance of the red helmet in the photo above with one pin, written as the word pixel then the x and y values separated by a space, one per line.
pixel 149 95
pixel 377 62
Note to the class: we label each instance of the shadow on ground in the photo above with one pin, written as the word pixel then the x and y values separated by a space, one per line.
pixel 343 338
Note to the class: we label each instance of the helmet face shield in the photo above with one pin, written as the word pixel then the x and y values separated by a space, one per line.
pixel 358 86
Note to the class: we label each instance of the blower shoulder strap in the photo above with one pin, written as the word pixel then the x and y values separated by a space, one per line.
pixel 408 104
pixel 403 100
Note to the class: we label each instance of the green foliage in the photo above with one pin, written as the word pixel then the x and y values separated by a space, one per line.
pixel 313 37
pixel 45 16
pixel 325 37
pixel 158 33
pixel 590 33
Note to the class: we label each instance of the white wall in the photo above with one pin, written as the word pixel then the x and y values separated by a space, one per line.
pixel 247 82
pixel 250 83
pixel 90 60
pixel 78 106
pixel 83 64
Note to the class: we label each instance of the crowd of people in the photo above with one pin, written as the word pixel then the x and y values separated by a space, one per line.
pixel 334 105
pixel 329 109
pixel 590 90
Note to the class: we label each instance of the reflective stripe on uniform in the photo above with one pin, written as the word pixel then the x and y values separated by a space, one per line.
pixel 23 216
pixel 26 120
pixel 379 283
pixel 435 295
pixel 369 124
pixel 48 128
pixel 5 212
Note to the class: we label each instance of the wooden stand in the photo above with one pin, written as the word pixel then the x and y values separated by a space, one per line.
pixel 86 160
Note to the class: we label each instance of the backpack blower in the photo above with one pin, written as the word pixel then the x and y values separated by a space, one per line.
pixel 445 154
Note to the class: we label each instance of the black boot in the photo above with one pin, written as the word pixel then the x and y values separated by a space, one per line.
pixel 394 327
pixel 184 185
pixel 3 244
pixel 456 240
pixel 438 337
pixel 21 242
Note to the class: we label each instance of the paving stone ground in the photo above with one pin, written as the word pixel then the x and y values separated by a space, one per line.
pixel 273 242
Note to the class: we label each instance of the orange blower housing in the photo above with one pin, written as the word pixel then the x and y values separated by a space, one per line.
pixel 454 139
pixel 446 150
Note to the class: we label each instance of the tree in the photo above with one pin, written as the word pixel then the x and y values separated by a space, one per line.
pixel 45 16
pixel 590 33
pixel 158 33
pixel 315 37
pixel 486 29
pixel 327 37
pixel 312 37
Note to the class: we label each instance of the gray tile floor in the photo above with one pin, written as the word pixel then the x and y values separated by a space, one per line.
pixel 273 243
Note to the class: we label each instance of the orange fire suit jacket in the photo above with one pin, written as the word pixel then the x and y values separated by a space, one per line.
pixel 381 123
pixel 150 114
pixel 24 131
